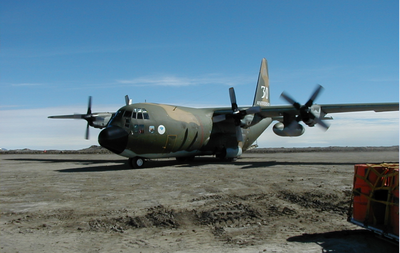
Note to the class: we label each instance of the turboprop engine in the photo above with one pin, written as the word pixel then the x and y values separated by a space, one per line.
pixel 293 130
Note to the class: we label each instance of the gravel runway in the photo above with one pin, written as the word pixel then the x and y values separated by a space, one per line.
pixel 263 202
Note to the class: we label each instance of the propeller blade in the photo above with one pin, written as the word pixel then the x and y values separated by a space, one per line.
pixel 321 122
pixel 232 96
pixel 290 100
pixel 89 110
pixel 87 132
pixel 314 95
pixel 88 117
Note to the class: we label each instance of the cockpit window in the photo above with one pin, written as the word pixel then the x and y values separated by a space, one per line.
pixel 140 113
pixel 145 114
pixel 116 116
pixel 128 114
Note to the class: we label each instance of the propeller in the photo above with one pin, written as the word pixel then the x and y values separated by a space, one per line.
pixel 97 119
pixel 238 115
pixel 305 113
pixel 89 117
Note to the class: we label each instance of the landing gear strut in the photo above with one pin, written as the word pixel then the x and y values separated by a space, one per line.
pixel 136 162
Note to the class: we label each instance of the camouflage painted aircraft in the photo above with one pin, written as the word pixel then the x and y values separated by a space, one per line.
pixel 146 131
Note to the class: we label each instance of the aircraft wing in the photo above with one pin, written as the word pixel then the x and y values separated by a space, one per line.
pixel 279 110
pixel 310 115
pixel 274 111
pixel 97 119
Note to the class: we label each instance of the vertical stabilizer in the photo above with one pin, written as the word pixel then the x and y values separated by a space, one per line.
pixel 261 97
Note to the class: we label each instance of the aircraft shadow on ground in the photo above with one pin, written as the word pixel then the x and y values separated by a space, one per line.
pixel 346 241
pixel 103 165
pixel 122 164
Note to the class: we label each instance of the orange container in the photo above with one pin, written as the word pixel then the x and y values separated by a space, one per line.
pixel 376 196
pixel 361 190
pixel 367 177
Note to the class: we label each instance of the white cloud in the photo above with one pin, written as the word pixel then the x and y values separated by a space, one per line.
pixel 184 81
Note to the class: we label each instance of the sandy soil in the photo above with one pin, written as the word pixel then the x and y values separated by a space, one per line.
pixel 263 202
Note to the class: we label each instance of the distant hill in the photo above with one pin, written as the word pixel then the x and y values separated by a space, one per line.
pixel 90 150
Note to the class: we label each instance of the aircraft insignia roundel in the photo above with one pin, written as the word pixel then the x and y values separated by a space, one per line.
pixel 161 129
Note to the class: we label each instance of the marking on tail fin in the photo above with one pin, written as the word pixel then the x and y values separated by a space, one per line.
pixel 265 92
pixel 261 97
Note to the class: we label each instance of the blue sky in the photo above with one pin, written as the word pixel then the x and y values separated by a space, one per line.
pixel 54 54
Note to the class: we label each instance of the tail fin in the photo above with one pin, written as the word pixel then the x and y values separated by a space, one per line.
pixel 261 97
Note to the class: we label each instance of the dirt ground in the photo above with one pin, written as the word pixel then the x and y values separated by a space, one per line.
pixel 263 202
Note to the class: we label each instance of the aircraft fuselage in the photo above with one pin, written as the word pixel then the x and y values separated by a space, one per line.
pixel 155 130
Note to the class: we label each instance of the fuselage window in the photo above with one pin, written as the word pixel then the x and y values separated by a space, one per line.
pixel 127 116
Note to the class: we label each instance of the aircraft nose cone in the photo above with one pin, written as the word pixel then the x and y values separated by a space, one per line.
pixel 114 139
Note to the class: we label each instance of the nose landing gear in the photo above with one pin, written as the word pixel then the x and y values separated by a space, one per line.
pixel 136 162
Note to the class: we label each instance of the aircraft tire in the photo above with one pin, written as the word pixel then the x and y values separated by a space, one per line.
pixel 136 162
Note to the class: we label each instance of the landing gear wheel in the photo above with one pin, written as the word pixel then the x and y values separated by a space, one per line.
pixel 136 162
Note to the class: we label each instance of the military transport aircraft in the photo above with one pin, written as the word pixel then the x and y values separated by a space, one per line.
pixel 145 130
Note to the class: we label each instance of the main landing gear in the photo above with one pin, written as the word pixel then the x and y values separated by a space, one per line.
pixel 136 162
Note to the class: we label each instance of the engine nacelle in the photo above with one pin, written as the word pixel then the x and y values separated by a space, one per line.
pixel 281 130
pixel 100 120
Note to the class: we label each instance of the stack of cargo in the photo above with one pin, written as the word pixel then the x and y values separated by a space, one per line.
pixel 375 203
